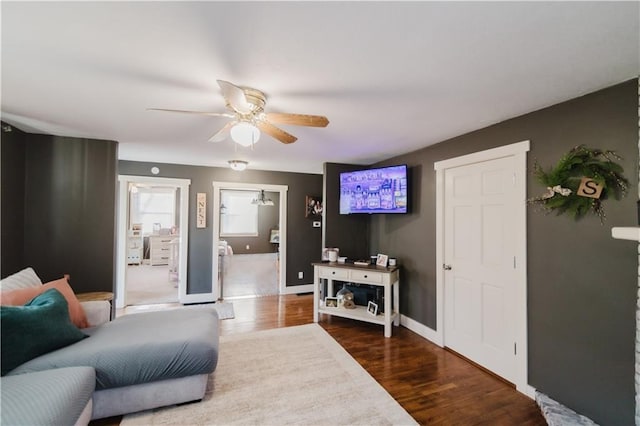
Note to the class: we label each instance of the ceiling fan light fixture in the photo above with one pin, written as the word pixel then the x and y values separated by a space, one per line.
pixel 238 165
pixel 245 134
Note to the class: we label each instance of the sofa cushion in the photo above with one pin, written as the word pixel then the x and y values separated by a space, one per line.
pixel 142 348
pixel 23 295
pixel 52 397
pixel 22 279
pixel 40 326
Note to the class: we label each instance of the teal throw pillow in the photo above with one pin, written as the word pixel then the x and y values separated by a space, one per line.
pixel 40 326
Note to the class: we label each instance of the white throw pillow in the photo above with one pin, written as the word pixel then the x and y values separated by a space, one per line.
pixel 23 279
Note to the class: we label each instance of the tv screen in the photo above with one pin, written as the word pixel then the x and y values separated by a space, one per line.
pixel 380 190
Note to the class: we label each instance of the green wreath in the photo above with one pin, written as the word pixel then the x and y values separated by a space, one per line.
pixel 564 180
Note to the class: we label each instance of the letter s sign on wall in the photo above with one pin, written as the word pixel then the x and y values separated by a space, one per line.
pixel 589 188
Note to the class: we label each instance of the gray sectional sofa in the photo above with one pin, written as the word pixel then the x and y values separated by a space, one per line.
pixel 133 363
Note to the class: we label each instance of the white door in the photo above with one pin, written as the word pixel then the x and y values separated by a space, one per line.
pixel 480 281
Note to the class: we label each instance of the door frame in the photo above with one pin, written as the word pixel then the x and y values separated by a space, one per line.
pixel 121 247
pixel 519 152
pixel 282 224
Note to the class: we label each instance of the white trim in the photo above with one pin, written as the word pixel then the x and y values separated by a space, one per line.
pixel 155 180
pixel 626 233
pixel 421 330
pixel 282 224
pixel 121 249
pixel 295 289
pixel 186 299
pixel 519 151
pixel 529 391
pixel 486 155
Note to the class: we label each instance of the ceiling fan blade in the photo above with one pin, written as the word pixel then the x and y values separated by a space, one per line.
pixel 235 97
pixel 275 132
pixel 298 119
pixel 223 133
pixel 211 114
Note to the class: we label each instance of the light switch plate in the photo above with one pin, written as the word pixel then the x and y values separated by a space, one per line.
pixel 316 224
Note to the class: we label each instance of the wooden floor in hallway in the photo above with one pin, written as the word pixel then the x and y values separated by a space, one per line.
pixel 435 386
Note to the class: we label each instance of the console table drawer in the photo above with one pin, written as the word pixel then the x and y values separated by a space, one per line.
pixel 334 273
pixel 366 276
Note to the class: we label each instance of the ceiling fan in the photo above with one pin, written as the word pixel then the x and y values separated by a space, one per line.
pixel 246 107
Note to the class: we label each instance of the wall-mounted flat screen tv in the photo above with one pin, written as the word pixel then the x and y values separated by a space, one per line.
pixel 379 190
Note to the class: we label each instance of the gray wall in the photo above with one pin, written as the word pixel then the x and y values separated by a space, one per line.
pixel 303 241
pixel 268 219
pixel 349 233
pixel 581 282
pixel 12 200
pixel 68 208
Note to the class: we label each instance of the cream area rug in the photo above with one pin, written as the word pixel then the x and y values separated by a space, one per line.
pixel 286 376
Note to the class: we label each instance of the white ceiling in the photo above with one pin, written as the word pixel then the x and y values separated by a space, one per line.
pixel 391 77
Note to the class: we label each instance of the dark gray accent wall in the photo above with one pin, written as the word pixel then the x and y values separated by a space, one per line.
pixel 581 283
pixel 68 209
pixel 303 241
pixel 12 200
pixel 268 219
pixel 349 233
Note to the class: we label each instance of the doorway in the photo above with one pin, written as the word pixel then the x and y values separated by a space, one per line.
pixel 152 240
pixel 237 227
pixel 249 255
pixel 481 259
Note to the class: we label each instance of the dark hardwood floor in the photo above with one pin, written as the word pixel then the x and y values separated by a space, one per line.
pixel 434 385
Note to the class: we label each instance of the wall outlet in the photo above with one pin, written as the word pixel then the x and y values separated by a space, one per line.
pixel 300 275
pixel 316 224
pixel 248 247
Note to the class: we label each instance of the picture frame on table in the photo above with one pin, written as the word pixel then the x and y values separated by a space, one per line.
pixel 382 260
pixel 330 302
pixel 372 308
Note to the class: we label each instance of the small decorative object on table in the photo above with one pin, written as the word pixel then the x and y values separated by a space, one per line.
pixel 345 298
pixel 331 302
pixel 330 252
pixel 382 260
pixel 579 183
pixel 372 308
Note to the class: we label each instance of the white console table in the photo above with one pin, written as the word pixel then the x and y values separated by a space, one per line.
pixel 372 275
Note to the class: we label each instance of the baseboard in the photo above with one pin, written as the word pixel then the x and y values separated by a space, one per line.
pixel 295 289
pixel 527 390
pixel 421 330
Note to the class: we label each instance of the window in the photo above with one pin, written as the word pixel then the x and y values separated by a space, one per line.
pixel 152 205
pixel 238 217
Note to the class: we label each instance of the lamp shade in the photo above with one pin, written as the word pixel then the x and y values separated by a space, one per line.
pixel 245 134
